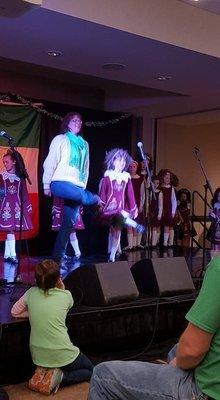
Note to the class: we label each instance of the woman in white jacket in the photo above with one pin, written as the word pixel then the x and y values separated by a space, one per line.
pixel 66 171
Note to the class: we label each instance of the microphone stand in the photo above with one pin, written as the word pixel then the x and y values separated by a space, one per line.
pixel 207 186
pixel 22 173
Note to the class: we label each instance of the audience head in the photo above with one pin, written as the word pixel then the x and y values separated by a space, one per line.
pixel 47 274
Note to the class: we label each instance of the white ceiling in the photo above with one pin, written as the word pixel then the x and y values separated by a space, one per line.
pixel 195 77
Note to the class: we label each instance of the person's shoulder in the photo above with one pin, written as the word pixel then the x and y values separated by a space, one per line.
pixel 214 265
pixel 58 138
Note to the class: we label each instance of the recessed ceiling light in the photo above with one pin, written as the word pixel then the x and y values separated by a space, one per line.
pixel 114 66
pixel 54 53
pixel 163 77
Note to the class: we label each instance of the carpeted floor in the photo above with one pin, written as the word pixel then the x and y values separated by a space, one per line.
pixel 75 392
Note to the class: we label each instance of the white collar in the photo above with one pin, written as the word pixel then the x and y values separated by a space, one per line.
pixel 118 176
pixel 11 176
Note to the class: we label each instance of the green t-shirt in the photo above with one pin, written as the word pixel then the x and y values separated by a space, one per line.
pixel 205 314
pixel 50 344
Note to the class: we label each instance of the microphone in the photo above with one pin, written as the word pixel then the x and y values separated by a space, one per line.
pixel 6 136
pixel 196 149
pixel 141 148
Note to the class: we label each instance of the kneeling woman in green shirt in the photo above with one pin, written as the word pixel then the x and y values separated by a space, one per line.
pixel 47 305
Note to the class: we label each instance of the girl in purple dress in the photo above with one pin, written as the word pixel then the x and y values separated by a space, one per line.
pixel 169 206
pixel 13 191
pixel 155 211
pixel 57 216
pixel 117 195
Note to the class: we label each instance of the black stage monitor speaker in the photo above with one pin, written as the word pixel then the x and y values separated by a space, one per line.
pixel 102 284
pixel 162 276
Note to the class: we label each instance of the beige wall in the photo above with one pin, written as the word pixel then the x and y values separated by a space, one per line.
pixel 175 151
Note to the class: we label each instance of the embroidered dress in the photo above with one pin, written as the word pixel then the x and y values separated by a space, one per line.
pixel 10 203
pixel 116 192
pixel 57 216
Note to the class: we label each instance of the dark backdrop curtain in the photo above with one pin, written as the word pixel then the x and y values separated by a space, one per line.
pixel 101 139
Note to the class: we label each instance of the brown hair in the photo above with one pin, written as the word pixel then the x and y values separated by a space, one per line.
pixel 17 158
pixel 47 274
pixel 67 119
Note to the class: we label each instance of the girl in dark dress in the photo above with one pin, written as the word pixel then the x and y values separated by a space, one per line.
pixel 134 237
pixel 169 206
pixel 155 212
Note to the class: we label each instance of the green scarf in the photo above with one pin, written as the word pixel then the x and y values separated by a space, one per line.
pixel 78 153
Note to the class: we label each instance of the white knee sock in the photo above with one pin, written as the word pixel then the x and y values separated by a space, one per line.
pixel 138 239
pixel 7 249
pixel 130 239
pixel 154 237
pixel 75 244
pixel 11 244
pixel 171 237
pixel 115 243
pixel 165 238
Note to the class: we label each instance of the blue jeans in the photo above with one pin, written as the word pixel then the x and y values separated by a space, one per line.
pixel 73 196
pixel 78 371
pixel 137 380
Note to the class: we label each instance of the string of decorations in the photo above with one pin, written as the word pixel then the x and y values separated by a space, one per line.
pixel 9 96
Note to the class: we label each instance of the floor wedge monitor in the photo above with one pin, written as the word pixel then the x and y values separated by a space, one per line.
pixel 162 276
pixel 102 284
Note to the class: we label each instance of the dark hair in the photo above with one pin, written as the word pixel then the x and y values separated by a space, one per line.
pixel 47 274
pixel 67 119
pixel 115 153
pixel 20 169
pixel 174 181
pixel 215 197
pixel 186 192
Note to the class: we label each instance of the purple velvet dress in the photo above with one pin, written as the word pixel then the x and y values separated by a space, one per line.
pixel 167 219
pixel 10 203
pixel 116 192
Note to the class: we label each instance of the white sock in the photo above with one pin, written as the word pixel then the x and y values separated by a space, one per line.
pixel 11 244
pixel 138 239
pixel 165 238
pixel 7 249
pixel 119 246
pixel 115 243
pixel 154 237
pixel 130 239
pixel 75 244
pixel 171 237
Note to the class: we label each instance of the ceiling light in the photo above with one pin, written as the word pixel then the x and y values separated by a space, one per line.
pixel 114 66
pixel 163 77
pixel 54 53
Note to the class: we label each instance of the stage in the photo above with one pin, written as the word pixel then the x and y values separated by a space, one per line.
pixel 136 328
